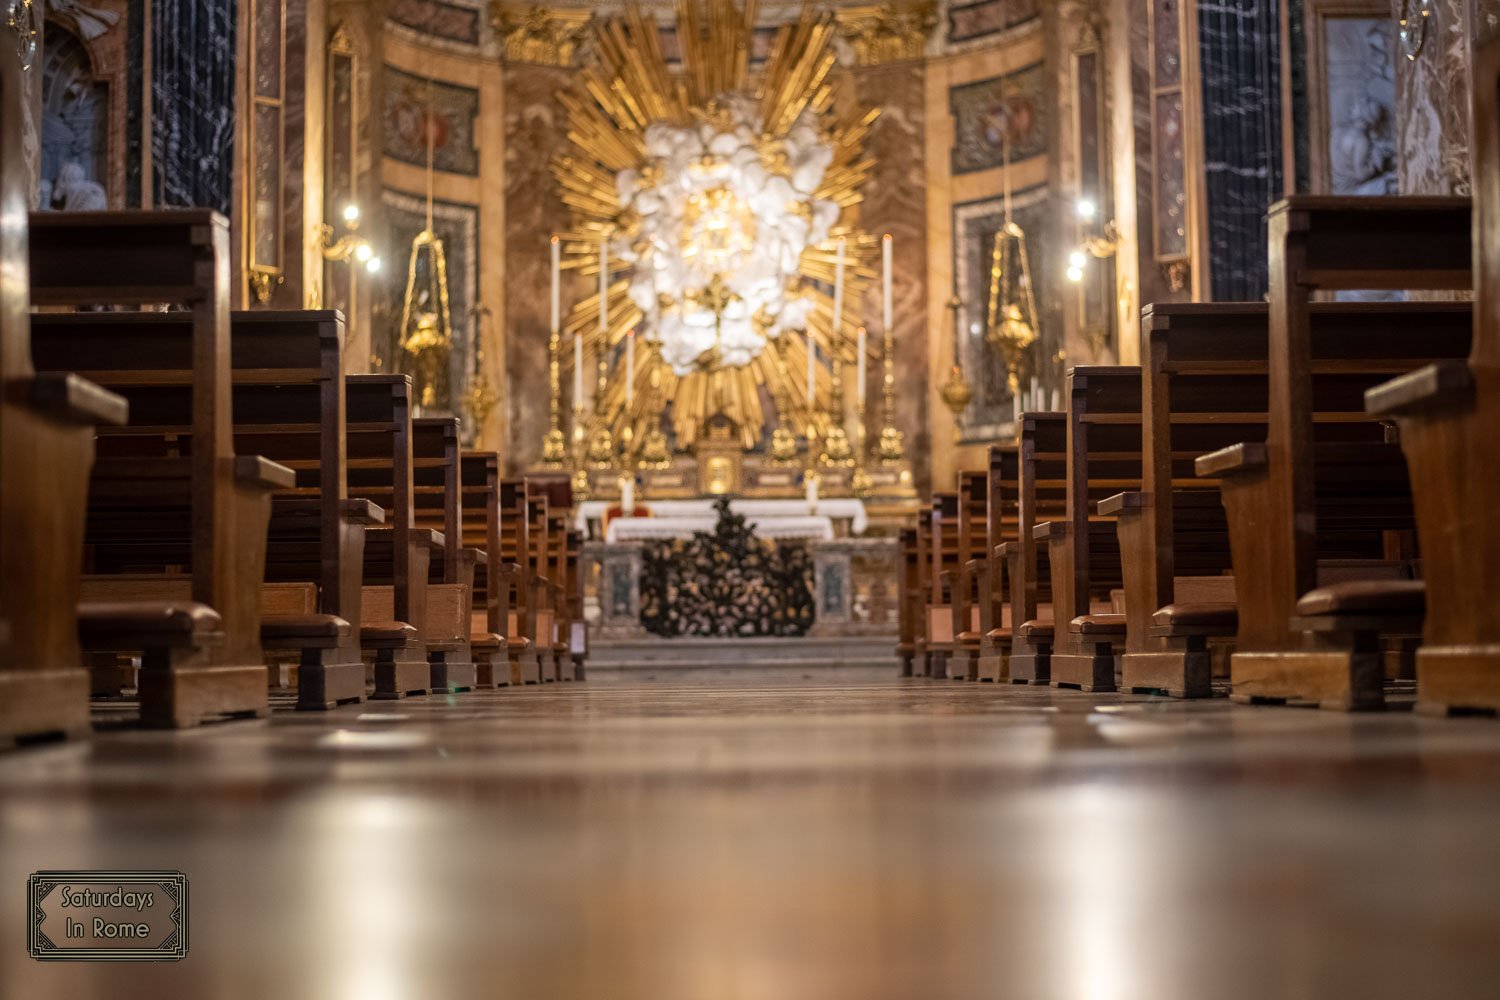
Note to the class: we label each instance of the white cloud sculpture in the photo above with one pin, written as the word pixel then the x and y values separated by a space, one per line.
pixel 711 205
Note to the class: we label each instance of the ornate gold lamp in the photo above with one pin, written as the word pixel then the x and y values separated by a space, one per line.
pixel 426 331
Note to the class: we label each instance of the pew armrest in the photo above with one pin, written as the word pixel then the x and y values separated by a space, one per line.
pixel 357 511
pixel 430 537
pixel 1049 530
pixel 1446 383
pixel 1237 459
pixel 1121 502
pixel 257 470
pixel 360 511
pixel 68 396
pixel 478 556
pixel 1035 630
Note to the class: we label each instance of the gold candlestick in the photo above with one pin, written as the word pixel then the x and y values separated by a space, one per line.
pixel 581 488
pixel 554 444
pixel 836 450
pixel 892 445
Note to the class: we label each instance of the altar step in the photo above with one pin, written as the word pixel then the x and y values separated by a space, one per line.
pixel 642 658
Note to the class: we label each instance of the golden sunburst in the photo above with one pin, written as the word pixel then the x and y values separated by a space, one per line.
pixel 626 88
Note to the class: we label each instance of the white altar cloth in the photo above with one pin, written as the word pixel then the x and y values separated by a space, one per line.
pixel 634 529
pixel 829 508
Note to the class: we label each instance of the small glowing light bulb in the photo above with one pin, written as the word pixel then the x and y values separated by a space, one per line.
pixel 1075 274
pixel 351 212
pixel 1086 208
pixel 1076 260
pixel 362 252
pixel 372 265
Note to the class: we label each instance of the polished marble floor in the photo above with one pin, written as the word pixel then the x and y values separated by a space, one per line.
pixel 740 838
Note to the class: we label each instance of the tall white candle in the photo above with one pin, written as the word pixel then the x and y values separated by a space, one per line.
pixel 860 350
pixel 810 484
pixel 811 362
pixel 578 370
pixel 627 495
pixel 603 288
pixel 1015 407
pixel 885 280
pixel 556 283
pixel 630 368
pixel 838 290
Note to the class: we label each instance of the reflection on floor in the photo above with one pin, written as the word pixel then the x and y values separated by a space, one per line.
pixel 784 838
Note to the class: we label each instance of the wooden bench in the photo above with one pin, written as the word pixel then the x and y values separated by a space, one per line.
pixel 217 501
pixel 438 504
pixel 1042 495
pixel 578 632
pixel 289 405
pixel 908 594
pixel 398 554
pixel 516 550
pixel 1001 516
pixel 1272 490
pixel 1205 384
pixel 1103 458
pixel 47 425
pixel 1449 415
pixel 480 487
pixel 939 579
pixel 965 588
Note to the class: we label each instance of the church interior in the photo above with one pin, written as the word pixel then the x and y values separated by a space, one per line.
pixel 749 498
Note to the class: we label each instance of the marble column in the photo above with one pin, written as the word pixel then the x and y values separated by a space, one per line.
pixel 193 102
pixel 535 130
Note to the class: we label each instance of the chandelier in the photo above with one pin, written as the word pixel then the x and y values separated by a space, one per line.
pixel 717 197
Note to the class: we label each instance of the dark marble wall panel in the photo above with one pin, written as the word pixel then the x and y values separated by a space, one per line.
pixel 1241 70
pixel 192 102
pixel 535 130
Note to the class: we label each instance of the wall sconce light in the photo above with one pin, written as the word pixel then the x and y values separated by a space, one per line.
pixel 1101 246
pixel 351 246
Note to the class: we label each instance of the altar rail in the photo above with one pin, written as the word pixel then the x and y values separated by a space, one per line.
pixel 854 587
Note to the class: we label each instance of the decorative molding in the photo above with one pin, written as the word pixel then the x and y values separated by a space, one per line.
pixel 986 18
pixel 536 34
pixel 450 22
pixel 882 33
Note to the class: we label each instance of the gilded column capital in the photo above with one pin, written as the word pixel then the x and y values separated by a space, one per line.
pixel 887 32
pixel 534 33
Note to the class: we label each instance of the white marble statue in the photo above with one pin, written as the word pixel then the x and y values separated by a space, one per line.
pixel 74 192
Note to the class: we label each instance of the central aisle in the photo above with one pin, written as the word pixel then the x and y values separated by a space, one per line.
pixel 780 838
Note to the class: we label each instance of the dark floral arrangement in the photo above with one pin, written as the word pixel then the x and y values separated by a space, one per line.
pixel 726 583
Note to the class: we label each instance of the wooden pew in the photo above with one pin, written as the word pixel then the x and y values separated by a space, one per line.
pixel 480 472
pixel 1043 492
pixel 1205 384
pixel 438 501
pixel 1327 648
pixel 543 587
pixel 1001 516
pixel 908 594
pixel 516 550
pixel 1449 415
pixel 289 405
pixel 941 579
pixel 47 422
pixel 965 589
pixel 922 597
pixel 1103 457
pixel 398 553
pixel 204 659
pixel 578 633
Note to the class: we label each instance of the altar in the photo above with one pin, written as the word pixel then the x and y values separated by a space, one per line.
pixel 771 518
